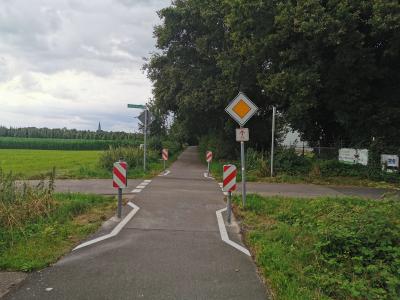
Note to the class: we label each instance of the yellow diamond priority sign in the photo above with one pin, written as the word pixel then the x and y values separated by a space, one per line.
pixel 241 109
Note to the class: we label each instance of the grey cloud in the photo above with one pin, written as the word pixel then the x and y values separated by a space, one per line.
pixel 95 36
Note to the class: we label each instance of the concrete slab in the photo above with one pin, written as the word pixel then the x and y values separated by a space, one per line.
pixel 9 280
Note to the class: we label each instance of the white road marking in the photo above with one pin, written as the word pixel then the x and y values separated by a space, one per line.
pixel 144 183
pixel 165 173
pixel 206 175
pixel 115 231
pixel 140 186
pixel 136 191
pixel 147 181
pixel 224 233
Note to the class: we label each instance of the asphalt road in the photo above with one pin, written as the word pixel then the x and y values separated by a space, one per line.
pixel 104 187
pixel 310 190
pixel 93 186
pixel 171 249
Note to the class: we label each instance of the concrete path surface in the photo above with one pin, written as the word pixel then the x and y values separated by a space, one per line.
pixel 170 249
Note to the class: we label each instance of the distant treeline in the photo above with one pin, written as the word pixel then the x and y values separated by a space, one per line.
pixel 64 133
pixel 63 144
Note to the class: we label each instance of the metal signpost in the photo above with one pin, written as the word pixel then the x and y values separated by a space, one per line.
pixel 209 156
pixel 229 185
pixel 273 140
pixel 164 155
pixel 120 181
pixel 241 109
pixel 146 118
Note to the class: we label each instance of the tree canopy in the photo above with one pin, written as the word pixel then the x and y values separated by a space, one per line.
pixel 330 66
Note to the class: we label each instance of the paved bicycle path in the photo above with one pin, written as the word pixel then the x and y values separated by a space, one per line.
pixel 171 249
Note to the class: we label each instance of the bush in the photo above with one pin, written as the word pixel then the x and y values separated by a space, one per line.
pixel 289 162
pixel 22 202
pixel 132 155
pixel 213 143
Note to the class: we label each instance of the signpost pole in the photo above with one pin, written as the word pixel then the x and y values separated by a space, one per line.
pixel 241 109
pixel 208 168
pixel 145 140
pixel 119 211
pixel 119 208
pixel 243 159
pixel 164 165
pixel 273 140
pixel 229 208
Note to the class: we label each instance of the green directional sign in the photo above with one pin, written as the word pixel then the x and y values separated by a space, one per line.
pixel 140 106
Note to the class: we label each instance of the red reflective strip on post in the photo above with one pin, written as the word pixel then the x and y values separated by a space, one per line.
pixel 229 178
pixel 120 176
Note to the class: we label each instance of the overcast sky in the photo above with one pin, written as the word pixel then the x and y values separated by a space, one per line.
pixel 73 63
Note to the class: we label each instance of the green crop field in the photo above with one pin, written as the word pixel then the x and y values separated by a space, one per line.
pixel 62 144
pixel 30 164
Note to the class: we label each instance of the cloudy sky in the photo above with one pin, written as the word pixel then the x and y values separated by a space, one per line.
pixel 73 63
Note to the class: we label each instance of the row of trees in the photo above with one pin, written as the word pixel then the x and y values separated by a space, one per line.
pixel 330 66
pixel 64 133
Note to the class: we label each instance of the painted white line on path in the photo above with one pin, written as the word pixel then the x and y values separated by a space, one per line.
pixel 140 186
pixel 205 174
pixel 136 191
pixel 224 233
pixel 165 173
pixel 147 181
pixel 144 183
pixel 115 231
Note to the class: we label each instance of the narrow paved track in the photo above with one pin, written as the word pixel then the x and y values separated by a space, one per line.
pixel 171 249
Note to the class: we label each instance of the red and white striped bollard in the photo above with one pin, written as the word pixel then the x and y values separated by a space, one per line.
pixel 229 185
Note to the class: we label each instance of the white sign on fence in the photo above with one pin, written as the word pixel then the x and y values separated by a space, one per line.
pixel 390 160
pixel 353 156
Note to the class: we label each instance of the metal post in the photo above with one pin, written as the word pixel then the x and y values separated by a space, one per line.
pixel 145 138
pixel 273 140
pixel 229 207
pixel 164 165
pixel 243 159
pixel 208 169
pixel 119 211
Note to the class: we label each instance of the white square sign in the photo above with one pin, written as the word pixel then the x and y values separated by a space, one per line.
pixel 390 160
pixel 242 134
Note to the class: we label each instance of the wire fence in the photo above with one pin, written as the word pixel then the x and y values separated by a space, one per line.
pixel 318 152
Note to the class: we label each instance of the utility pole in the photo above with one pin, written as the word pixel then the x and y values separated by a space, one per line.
pixel 273 140
pixel 145 139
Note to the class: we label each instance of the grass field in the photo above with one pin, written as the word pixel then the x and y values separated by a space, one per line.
pixel 62 144
pixel 31 164
pixel 325 248
pixel 34 164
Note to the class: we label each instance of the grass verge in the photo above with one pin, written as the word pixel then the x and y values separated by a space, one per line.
pixel 255 176
pixel 36 164
pixel 324 248
pixel 41 240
